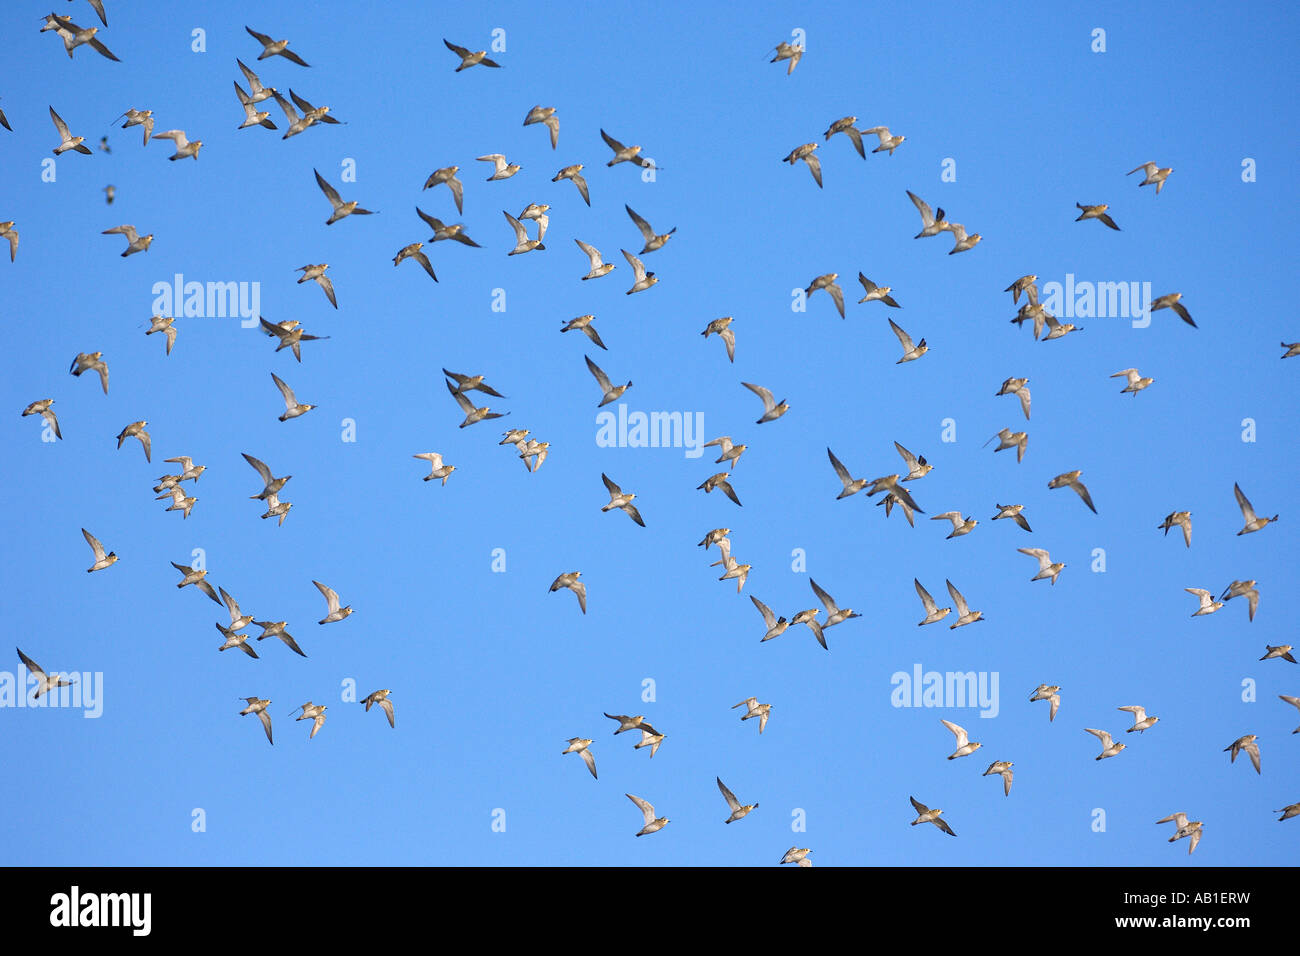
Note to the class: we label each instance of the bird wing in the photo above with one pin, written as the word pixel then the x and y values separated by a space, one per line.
pixel 260 466
pixel 612 488
pixel 962 608
pixel 727 795
pixel 958 732
pixel 59 125
pixel 520 234
pixel 1243 503
pixel 601 378
pixel 647 809
pixel 592 253
pixel 769 401
pixel 907 456
pixel 903 337
pixel 924 595
pixel 290 400
pixel 1139 715
pixel 1044 559
pixel 1101 735
pixel 31 665
pixel 916 804
pixel 587 758
pixel 611 142
pixel 465 404
pixel 922 207
pixel 640 223
pixel 331 597
pixel 827 601
pixel 768 617
pixel 636 265
pixel 94 545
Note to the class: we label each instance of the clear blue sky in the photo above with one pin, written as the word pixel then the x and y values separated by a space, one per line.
pixel 490 674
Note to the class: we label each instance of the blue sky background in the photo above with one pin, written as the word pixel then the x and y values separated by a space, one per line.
pixel 490 674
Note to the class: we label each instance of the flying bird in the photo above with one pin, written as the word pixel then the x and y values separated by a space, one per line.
pixel 468 59
pixel 1070 479
pixel 44 682
pixel 317 274
pixel 1247 744
pixel 570 580
pixel 545 114
pixel 134 241
pixel 1096 212
pixel 341 209
pixel 772 410
pixel 927 815
pixel 1253 523
pixel 738 811
pixel 102 560
pixel 617 499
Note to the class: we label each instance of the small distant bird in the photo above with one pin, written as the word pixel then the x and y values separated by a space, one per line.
pixel 275 508
pixel 134 241
pixel 1026 285
pixel 933 612
pixel 275 48
pixel 103 145
pixel 185 148
pixel 1245 589
pixel 196 578
pixel 316 714
pixel 792 52
pixel 772 410
pixel 845 126
pixel 1292 348
pixel 931 222
pixel 180 502
pixel 1002 767
pixel 1154 174
pixel 716 536
pixel 1141 722
pixel 624 154
pixel 163 324
pixel 805 152
pixel 876 293
pixel 888 142
pixel 341 209
pixel 110 193
pixel 652 241
pixel 1248 744
pixel 1181 519
pixel 1135 380
pixel 1058 329
pixel 448 175
pixel 574 174
pixel 1070 479
pixel 647 809
pixel 964 745
pixel 927 815
pixel 1208 604
pixel 86 361
pixel 738 811
pixel 775 626
pixel 102 560
pixel 252 115
pixel 468 59
pixel 599 267
pixel 961 240
pixel 721 328
pixel 1183 829
pixel 1109 747
pixel 609 391
pixel 136 430
pixel 4 121
pixel 1046 567
pixel 964 614
pixel 470 383
pixel 311 115
pixel 235 640
pixel 472 415
pixel 317 273
pixel 1009 439
pixel 583 324
pixel 522 242
pixel 754 709
pixel 272 484
pixel 545 114
pixel 436 468
pixel 44 682
pixel 380 697
pixel 291 335
pixel 413 252
pixel 1013 512
pixel 501 168
pixel 1048 692
pixel 1096 212
pixel 828 283
pixel 257 705
pixel 720 482
pixel 617 499
pixel 796 855
pixel 1253 523
pixel 1170 301
pixel 960 526
pixel 336 613
pixel 628 723
pixel 66 140
pixel 1282 651
pixel 644 280
pixel 579 745
pixel 728 450
pixel 834 613
pixel 570 580
pixel 277 629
